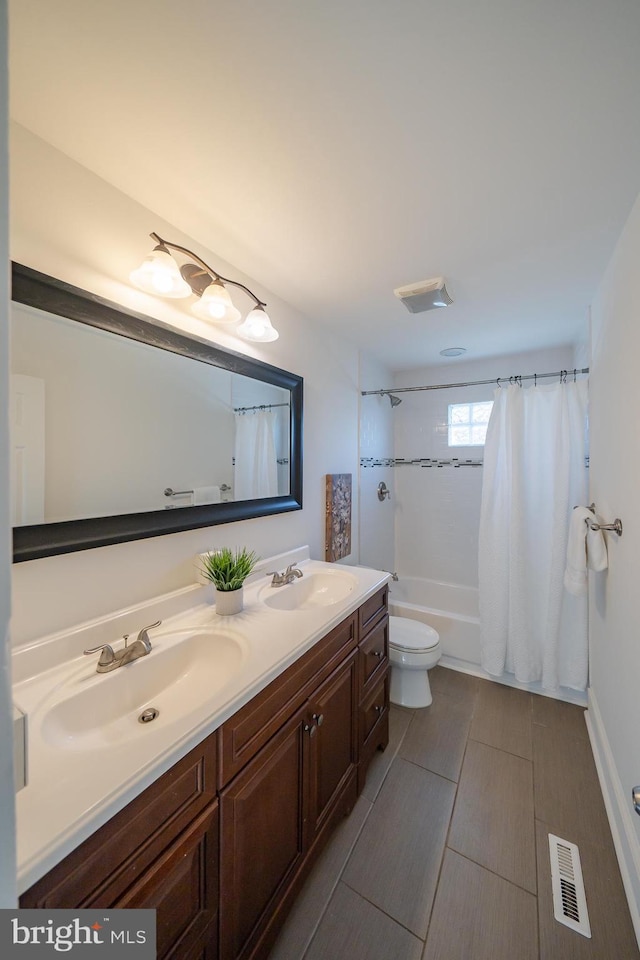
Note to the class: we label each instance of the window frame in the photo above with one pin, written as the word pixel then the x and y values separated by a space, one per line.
pixel 469 423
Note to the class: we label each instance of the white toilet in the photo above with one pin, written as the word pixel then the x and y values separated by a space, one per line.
pixel 414 648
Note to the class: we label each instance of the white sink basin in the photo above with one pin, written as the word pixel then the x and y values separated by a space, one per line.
pixel 311 590
pixel 181 673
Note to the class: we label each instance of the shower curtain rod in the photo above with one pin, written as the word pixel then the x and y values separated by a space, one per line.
pixel 476 383
pixel 260 406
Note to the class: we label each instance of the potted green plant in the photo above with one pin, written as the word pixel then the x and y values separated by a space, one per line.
pixel 227 569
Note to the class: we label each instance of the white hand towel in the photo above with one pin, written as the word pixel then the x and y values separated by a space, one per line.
pixel 586 548
pixel 575 574
pixel 597 558
pixel 206 495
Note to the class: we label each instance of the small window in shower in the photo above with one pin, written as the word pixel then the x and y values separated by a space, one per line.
pixel 468 423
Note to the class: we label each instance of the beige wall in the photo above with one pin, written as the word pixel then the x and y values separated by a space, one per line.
pixel 73 225
pixel 615 489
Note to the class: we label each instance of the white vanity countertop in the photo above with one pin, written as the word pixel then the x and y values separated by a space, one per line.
pixel 78 781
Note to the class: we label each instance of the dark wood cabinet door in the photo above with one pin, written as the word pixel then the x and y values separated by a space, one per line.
pixel 182 886
pixel 246 733
pixel 332 768
pixel 262 837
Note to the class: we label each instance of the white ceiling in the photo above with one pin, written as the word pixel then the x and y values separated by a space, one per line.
pixel 336 149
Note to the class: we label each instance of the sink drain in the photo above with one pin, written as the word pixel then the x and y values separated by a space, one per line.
pixel 148 715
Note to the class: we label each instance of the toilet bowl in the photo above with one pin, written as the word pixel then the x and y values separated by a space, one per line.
pixel 414 647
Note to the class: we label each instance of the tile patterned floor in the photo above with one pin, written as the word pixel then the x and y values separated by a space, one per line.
pixel 445 854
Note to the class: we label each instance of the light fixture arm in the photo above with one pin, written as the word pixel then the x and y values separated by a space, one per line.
pixel 206 267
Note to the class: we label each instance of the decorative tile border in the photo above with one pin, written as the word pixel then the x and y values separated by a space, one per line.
pixel 418 462
pixel 377 462
pixel 391 462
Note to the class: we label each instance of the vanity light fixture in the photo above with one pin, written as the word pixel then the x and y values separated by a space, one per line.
pixel 161 275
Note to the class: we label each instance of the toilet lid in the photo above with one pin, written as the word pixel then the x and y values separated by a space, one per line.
pixel 405 634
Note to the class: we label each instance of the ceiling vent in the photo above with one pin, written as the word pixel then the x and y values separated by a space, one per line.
pixel 425 295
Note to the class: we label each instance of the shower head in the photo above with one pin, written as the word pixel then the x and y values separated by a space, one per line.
pixel 395 401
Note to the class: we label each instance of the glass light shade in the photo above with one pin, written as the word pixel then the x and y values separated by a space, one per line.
pixel 216 304
pixel 159 274
pixel 257 327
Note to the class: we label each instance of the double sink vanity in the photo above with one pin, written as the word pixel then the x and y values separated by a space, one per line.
pixel 202 779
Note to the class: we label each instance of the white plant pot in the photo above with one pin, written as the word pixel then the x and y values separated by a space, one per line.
pixel 229 602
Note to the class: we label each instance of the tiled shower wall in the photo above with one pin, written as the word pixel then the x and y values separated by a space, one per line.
pixel 437 508
pixel 376 443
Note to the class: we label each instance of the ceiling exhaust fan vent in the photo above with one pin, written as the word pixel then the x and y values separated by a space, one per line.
pixel 424 295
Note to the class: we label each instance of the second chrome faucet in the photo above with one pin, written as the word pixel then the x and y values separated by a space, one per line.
pixel 290 574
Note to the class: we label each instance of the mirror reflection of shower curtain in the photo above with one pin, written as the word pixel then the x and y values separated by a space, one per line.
pixel 534 474
pixel 256 466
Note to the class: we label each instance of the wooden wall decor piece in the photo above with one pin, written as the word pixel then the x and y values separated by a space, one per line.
pixel 338 516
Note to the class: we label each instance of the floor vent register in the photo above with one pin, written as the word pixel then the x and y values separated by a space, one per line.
pixel 569 901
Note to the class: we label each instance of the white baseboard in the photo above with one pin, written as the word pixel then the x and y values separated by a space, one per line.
pixel 466 666
pixel 619 811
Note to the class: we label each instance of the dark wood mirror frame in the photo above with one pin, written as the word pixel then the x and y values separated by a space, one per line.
pixel 49 539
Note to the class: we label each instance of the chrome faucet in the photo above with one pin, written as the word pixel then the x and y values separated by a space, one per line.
pixel 290 574
pixel 111 659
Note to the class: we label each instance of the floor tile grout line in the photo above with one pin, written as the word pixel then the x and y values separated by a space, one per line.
pixel 512 753
pixel 445 845
pixel 384 913
pixel 538 879
pixel 528 760
pixel 334 886
pixel 494 873
pixel 340 873
pixel 482 866
pixel 434 773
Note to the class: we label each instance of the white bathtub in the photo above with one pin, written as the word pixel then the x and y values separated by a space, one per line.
pixel 453 611
pixel 450 609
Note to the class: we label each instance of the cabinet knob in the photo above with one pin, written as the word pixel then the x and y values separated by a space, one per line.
pixel 379 709
pixel 319 718
pixel 377 653
pixel 310 728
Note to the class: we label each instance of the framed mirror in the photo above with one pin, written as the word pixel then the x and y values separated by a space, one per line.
pixel 124 428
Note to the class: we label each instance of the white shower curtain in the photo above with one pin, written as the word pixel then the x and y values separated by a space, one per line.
pixel 256 465
pixel 534 474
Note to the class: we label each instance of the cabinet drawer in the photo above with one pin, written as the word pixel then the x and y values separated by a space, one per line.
pixel 102 868
pixel 372 610
pixel 373 656
pixel 374 710
pixel 241 737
